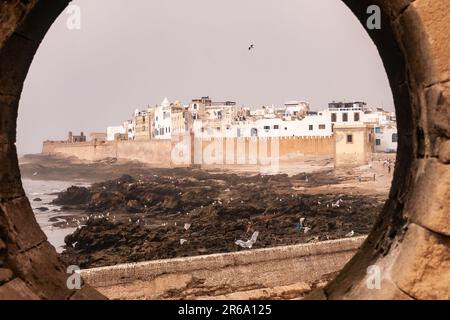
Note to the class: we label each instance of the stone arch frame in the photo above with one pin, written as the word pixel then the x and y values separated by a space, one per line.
pixel 410 242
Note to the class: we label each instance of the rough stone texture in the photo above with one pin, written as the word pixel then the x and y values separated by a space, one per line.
pixel 22 227
pixel 13 13
pixel 422 269
pixel 414 45
pixel 8 116
pixel 221 274
pixel 10 183
pixel 444 152
pixel 87 293
pixel 5 275
pixel 425 210
pixel 17 290
pixel 43 272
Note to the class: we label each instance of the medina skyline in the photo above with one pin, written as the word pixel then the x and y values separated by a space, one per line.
pixel 124 58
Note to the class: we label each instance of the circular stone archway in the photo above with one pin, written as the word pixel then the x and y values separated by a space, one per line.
pixel 410 242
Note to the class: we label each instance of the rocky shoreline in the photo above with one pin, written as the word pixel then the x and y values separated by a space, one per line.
pixel 169 213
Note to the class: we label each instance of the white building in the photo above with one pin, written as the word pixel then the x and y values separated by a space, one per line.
pixel 163 120
pixel 386 138
pixel 113 130
pixel 296 109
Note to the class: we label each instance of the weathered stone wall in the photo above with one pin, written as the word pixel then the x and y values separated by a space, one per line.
pixel 233 151
pixel 409 242
pixel 217 275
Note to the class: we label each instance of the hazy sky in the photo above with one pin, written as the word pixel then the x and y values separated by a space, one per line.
pixel 129 54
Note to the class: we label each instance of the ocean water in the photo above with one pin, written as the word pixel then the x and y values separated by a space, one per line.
pixel 46 190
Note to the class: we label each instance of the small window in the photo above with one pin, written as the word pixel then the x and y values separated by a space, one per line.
pixel 394 137
pixel 349 138
pixel 345 117
pixel 311 127
pixel 378 142
pixel 377 130
pixel 218 128
pixel 333 117
pixel 322 126
pixel 285 128
pixel 276 127
pixel 356 117
pixel 266 127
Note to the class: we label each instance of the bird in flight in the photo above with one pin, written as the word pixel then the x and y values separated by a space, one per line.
pixel 251 47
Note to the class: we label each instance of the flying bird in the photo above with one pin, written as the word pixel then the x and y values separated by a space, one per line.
pixel 249 243
pixel 251 47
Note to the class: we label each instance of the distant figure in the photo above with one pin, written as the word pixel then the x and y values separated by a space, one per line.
pixel 251 47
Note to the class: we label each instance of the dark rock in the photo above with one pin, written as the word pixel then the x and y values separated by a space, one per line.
pixel 73 196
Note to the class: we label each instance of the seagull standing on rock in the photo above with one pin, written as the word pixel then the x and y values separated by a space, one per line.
pixel 249 243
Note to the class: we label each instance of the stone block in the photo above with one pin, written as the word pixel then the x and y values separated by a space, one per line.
pixel 5 275
pixel 422 268
pixel 425 39
pixel 15 59
pixel 17 290
pixel 8 117
pixel 43 271
pixel 444 152
pixel 10 182
pixel 87 293
pixel 429 202
pixel 437 98
pixel 23 230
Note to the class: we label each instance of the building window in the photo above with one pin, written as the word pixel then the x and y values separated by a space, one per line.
pixel 322 126
pixel 345 117
pixel 349 138
pixel 356 117
pixel 266 127
pixel 394 137
pixel 378 142
pixel 276 127
pixel 333 117
pixel 377 130
pixel 218 128
pixel 285 128
pixel 311 127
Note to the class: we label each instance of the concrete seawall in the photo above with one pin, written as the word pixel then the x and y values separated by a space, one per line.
pixel 260 273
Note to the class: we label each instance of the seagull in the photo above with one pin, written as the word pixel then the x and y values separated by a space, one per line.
pixel 249 243
pixel 187 226
pixel 182 241
pixel 306 230
pixel 251 47
pixel 350 234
